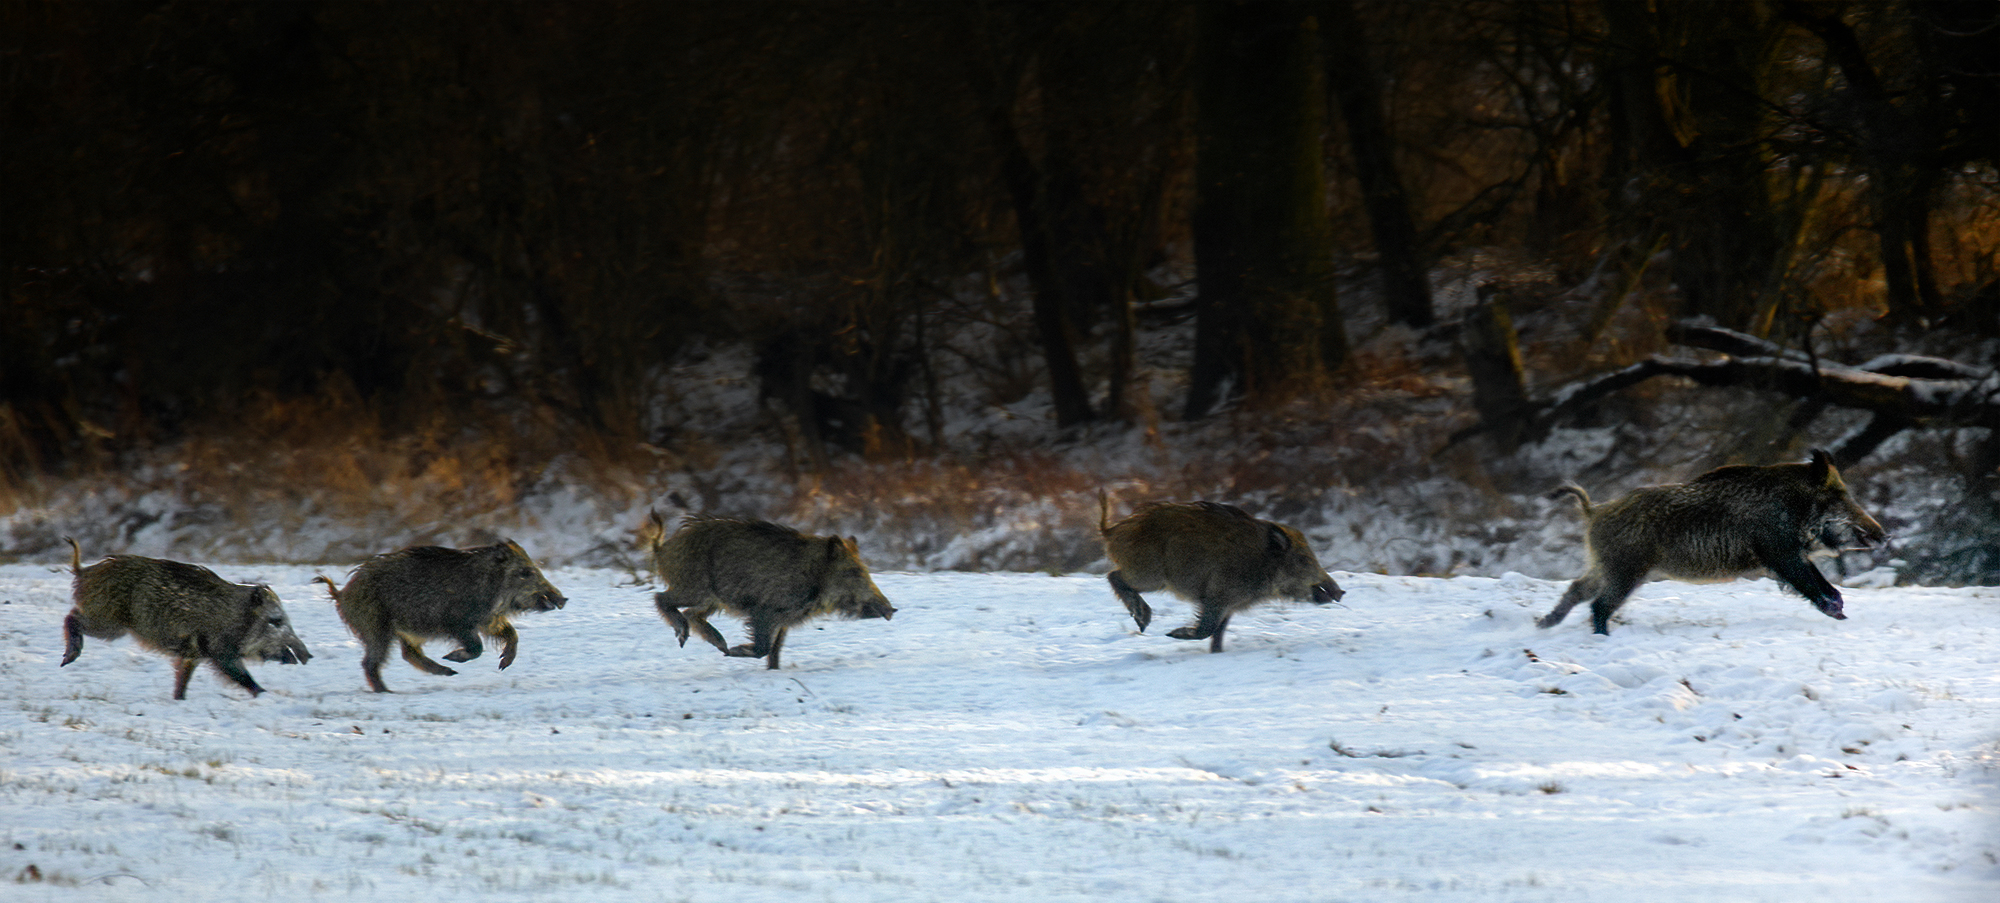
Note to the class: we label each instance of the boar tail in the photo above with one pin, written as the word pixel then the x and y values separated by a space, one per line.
pixel 331 589
pixel 75 557
pixel 1582 497
pixel 1103 511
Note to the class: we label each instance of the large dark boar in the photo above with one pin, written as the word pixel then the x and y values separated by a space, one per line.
pixel 1212 555
pixel 181 610
pixel 1726 523
pixel 773 577
pixel 429 592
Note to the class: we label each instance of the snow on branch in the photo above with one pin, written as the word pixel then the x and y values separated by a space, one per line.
pixel 1901 390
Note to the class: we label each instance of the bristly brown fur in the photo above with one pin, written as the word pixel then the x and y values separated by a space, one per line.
pixel 772 576
pixel 431 592
pixel 1723 524
pixel 180 610
pixel 1214 555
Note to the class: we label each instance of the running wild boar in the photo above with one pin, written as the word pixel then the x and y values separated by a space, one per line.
pixel 430 592
pixel 1727 523
pixel 1212 555
pixel 181 610
pixel 773 577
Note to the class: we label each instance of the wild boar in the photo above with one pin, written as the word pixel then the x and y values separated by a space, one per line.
pixel 428 592
pixel 181 610
pixel 1212 555
pixel 773 577
pixel 1727 523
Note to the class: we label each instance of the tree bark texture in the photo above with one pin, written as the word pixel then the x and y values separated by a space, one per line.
pixel 1406 285
pixel 1268 322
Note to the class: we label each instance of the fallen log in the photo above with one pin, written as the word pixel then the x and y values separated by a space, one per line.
pixel 1902 391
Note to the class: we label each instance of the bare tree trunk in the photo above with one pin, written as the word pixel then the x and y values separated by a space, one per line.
pixel 1268 323
pixel 1687 78
pixel 1899 144
pixel 1493 358
pixel 1406 286
pixel 1043 206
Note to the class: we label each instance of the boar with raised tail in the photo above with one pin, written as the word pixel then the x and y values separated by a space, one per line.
pixel 429 592
pixel 1727 523
pixel 1212 555
pixel 181 610
pixel 773 577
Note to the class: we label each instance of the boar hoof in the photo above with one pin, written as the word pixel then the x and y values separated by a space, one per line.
pixel 744 650
pixel 1187 633
pixel 458 655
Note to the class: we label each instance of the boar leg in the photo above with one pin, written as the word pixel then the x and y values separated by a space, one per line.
pixel 777 643
pixel 469 646
pixel 671 613
pixel 510 640
pixel 1141 612
pixel 1616 589
pixel 1208 625
pixel 375 650
pixel 1215 640
pixel 76 627
pixel 697 620
pixel 227 666
pixel 413 652
pixel 765 640
pixel 1807 581
pixel 72 638
pixel 1581 588
pixel 183 669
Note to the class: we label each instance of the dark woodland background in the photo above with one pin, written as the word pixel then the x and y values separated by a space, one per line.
pixel 419 226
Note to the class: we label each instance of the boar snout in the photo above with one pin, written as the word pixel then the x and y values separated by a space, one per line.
pixel 1327 593
pixel 549 601
pixel 878 609
pixel 1866 532
pixel 290 651
pixel 292 654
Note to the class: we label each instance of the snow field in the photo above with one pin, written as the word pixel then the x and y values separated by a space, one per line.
pixel 1008 737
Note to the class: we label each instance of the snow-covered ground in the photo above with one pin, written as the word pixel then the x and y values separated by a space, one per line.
pixel 1008 737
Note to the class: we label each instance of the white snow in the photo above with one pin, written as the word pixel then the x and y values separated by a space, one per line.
pixel 1008 737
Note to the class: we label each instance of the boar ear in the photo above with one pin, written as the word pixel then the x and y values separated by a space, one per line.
pixel 653 517
pixel 1822 468
pixel 1275 540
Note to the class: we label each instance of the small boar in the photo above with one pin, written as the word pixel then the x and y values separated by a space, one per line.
pixel 1724 524
pixel 428 592
pixel 182 610
pixel 773 577
pixel 1212 555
